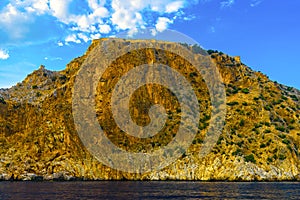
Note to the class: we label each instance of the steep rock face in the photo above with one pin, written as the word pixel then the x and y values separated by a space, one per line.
pixel 260 140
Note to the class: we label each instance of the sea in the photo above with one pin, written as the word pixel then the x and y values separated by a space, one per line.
pixel 148 190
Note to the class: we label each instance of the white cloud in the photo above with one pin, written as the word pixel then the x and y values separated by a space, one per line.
pixel 166 6
pixel 125 19
pixel 38 7
pixel 105 29
pixel 83 37
pixel 72 38
pixel 95 36
pixel 94 4
pixel 226 4
pixel 162 24
pixel 4 54
pixel 126 14
pixel 189 18
pixel 53 58
pixel 153 32
pixel 100 12
pixel 174 6
pixel 14 22
pixel 255 3
pixel 60 44
pixel 133 14
pixel 83 22
pixel 94 18
pixel 59 9
pixel 212 29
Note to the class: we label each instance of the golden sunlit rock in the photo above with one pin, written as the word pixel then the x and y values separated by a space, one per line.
pixel 260 140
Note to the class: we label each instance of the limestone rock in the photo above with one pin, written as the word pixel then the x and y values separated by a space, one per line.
pixel 260 140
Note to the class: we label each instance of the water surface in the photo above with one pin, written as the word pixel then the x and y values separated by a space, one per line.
pixel 148 190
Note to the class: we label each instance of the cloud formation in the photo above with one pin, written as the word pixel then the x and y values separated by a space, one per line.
pixel 255 3
pixel 227 3
pixel 14 21
pixel 4 54
pixel 162 24
pixel 95 18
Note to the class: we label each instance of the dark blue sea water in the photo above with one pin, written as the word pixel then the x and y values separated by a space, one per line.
pixel 148 190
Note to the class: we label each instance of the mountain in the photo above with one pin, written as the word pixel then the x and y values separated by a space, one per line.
pixel 260 139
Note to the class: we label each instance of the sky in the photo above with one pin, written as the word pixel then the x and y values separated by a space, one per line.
pixel 265 33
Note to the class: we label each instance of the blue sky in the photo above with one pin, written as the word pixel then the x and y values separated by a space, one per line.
pixel 265 33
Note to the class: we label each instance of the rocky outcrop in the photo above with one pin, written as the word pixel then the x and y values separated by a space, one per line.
pixel 260 140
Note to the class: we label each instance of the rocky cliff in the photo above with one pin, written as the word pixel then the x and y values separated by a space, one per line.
pixel 260 139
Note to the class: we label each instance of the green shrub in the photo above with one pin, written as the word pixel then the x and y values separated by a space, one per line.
pixel 2 100
pixel 262 97
pixel 235 89
pixel 263 145
pixel 193 74
pixel 245 104
pixel 258 125
pixel 205 118
pixel 282 157
pixel 199 140
pixel 211 52
pixel 256 131
pixel 250 140
pixel 250 158
pixel 256 98
pixel 34 87
pixel 203 126
pixel 270 159
pixel 277 102
pixel 280 128
pixel 240 144
pixel 232 103
pixel 245 91
pixel 242 122
pixel 290 148
pixel 38 94
pixel 289 88
pixel 268 107
pixel 267 131
pixel 285 141
pixel 284 98
pixel 197 49
pixel 195 141
pixel 186 45
pixel 238 152
pixel 63 78
pixel 294 97
pixel 220 140
pixel 269 142
pixel 282 136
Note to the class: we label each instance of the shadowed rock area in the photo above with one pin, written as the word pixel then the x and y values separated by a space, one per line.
pixel 260 139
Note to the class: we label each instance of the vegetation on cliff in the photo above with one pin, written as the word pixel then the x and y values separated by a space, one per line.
pixel 260 140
